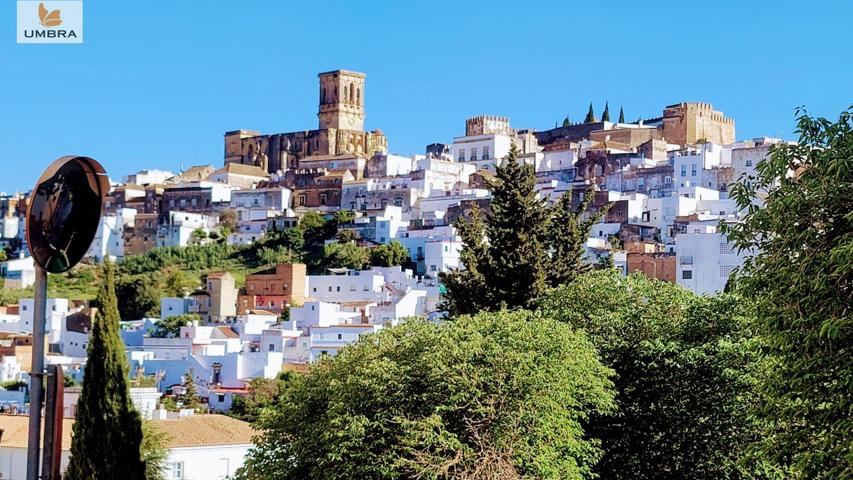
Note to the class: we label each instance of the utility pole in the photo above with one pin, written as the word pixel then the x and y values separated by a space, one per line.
pixel 37 373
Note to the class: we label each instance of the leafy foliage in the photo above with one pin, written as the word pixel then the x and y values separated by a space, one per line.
pixel 802 281
pixel 389 255
pixel 170 327
pixel 108 430
pixel 499 395
pixel 345 255
pixel 265 394
pixel 139 297
pixel 154 451
pixel 686 368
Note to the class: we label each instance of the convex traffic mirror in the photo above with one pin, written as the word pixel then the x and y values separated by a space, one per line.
pixel 64 212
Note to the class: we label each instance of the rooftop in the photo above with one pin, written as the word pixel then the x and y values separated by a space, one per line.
pixel 185 432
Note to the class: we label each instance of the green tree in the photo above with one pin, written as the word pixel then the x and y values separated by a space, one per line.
pixel 516 230
pixel 139 297
pixel 154 451
pixel 466 289
pixel 108 431
pixel 170 327
pixel 190 398
pixel 345 255
pixel 568 232
pixel 621 116
pixel 802 281
pixel 520 247
pixel 389 255
pixel 178 283
pixel 566 121
pixel 605 117
pixel 590 115
pixel 276 255
pixel 198 236
pixel 264 394
pixel 499 395
pixel 3 255
pixel 686 369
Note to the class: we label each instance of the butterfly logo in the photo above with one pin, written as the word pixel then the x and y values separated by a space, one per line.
pixel 50 19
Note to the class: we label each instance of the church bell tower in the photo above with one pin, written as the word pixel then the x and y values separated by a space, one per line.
pixel 342 100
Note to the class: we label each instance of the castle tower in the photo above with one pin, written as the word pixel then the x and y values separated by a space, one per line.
pixel 341 100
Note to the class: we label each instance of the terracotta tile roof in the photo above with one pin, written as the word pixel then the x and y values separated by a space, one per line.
pixel 255 311
pixel 227 332
pixel 241 169
pixel 205 430
pixel 193 431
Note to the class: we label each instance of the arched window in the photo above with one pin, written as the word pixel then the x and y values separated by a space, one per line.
pixel 346 94
pixel 324 99
pixel 358 96
pixel 351 93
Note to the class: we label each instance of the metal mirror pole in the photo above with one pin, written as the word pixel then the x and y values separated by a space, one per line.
pixel 37 374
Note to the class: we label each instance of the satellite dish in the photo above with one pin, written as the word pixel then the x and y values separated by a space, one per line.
pixel 64 211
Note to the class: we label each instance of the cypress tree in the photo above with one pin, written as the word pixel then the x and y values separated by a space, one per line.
pixel 513 254
pixel 108 430
pixel 590 115
pixel 605 117
pixel 568 232
pixel 517 232
pixel 621 115
pixel 566 121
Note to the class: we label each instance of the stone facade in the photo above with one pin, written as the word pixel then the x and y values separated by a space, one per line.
pixel 687 123
pixel 341 130
pixel 142 236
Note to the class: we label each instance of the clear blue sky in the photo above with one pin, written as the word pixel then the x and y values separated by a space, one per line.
pixel 157 83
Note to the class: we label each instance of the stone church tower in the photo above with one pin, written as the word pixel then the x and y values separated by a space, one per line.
pixel 341 100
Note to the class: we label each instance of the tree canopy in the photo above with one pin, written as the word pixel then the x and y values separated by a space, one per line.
pixel 802 281
pixel 497 395
pixel 389 255
pixel 685 367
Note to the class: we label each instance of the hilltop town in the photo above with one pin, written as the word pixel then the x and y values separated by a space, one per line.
pixel 295 244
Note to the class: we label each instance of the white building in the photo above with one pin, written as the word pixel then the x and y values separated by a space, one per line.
pixel 179 227
pixel 147 177
pixel 209 447
pixel 18 272
pixel 705 259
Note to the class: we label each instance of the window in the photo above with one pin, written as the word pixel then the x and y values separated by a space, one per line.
pixel 727 248
pixel 322 199
pixel 432 268
pixel 485 153
pixel 693 170
pixel 340 337
pixel 687 274
pixel 302 200
pixel 272 347
pixel 726 270
pixel 339 288
pixel 460 156
pixel 473 154
pixel 178 470
pixel 683 170
pixel 221 398
pixel 749 163
pixel 352 288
